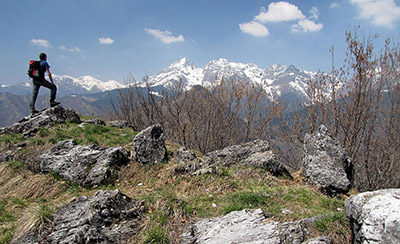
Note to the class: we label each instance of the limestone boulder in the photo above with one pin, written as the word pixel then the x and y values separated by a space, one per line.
pixel 149 146
pixel 246 226
pixel 237 153
pixel 184 155
pixel 257 153
pixel 269 161
pixel 6 155
pixel 107 217
pixel 30 125
pixel 122 124
pixel 93 121
pixel 375 216
pixel 87 165
pixel 325 163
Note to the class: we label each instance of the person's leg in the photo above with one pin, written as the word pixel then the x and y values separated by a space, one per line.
pixel 52 87
pixel 35 91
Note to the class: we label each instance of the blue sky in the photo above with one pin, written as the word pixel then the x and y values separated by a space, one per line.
pixel 111 39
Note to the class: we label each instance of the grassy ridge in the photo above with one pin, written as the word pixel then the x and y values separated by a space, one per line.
pixel 28 200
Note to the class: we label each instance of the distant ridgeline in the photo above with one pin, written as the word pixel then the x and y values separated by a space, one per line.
pixel 90 96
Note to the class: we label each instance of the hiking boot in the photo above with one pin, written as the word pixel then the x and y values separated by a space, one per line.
pixel 34 111
pixel 54 103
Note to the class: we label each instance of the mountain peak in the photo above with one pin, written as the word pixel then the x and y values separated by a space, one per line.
pixel 182 62
pixel 223 60
pixel 218 62
pixel 292 68
pixel 181 70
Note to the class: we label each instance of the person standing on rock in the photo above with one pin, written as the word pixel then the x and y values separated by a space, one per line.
pixel 41 81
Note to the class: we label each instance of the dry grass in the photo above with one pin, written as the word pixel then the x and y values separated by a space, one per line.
pixel 182 199
pixel 30 220
pixel 24 184
pixel 29 197
pixel 174 201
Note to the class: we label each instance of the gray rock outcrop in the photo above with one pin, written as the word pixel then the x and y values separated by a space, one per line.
pixel 107 217
pixel 196 167
pixel 85 165
pixel 246 226
pixel 237 153
pixel 182 155
pixel 6 156
pixel 46 118
pixel 257 153
pixel 325 163
pixel 122 124
pixel 375 216
pixel 149 146
pixel 94 121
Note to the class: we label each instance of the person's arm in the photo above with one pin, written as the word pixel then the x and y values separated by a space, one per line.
pixel 50 77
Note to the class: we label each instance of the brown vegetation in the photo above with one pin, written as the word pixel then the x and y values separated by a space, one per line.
pixel 359 103
pixel 364 113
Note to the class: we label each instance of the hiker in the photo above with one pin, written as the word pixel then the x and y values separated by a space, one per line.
pixel 41 81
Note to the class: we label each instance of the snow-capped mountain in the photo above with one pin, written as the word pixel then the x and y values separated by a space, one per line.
pixel 84 84
pixel 283 80
pixel 67 85
pixel 215 70
pixel 278 80
pixel 182 69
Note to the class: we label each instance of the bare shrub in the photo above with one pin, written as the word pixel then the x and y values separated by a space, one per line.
pixel 139 106
pixel 361 114
pixel 359 103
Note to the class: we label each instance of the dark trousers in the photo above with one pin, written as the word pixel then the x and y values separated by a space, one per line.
pixel 35 91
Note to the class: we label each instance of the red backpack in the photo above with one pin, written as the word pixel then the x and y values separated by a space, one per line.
pixel 34 70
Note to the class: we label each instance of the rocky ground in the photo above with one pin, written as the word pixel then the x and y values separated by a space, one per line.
pixel 64 179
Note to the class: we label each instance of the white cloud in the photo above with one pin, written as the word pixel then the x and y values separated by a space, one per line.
pixel 306 25
pixel 280 11
pixel 314 13
pixel 334 5
pixel 74 49
pixel 165 36
pixel 254 28
pixel 40 42
pixel 380 12
pixel 106 40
